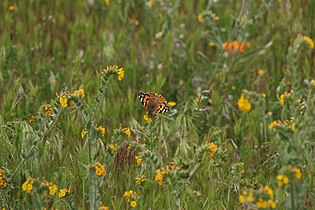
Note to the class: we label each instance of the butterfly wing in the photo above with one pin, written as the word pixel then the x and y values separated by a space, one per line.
pixel 145 98
pixel 162 105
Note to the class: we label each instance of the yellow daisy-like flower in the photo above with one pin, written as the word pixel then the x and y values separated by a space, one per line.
pixel 242 199
pixel 250 197
pixel 27 186
pixel 63 102
pixel 309 41
pixel 83 133
pixel 133 204
pixel 244 104
pixel 297 173
pixel 52 189
pixel 138 159
pixel 151 2
pixel 101 129
pixel 282 180
pixel 147 118
pixel 261 204
pixel 201 19
pixel 211 44
pixel 121 73
pixel 171 103
pixel 103 208
pixel 273 124
pixel 260 72
pixel 126 131
pixel 107 2
pixel 11 8
pixel 62 192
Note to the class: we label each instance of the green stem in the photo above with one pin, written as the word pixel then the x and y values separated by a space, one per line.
pixel 292 196
pixel 30 151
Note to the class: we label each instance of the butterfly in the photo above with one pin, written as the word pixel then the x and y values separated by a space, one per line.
pixel 153 103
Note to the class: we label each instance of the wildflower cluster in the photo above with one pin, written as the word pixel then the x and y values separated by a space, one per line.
pixel 262 198
pixel 213 149
pixel 47 109
pixel 138 159
pixel 147 118
pixel 287 174
pixel 286 97
pixel 83 133
pixel 63 192
pixel 140 179
pixel 307 40
pixel 102 207
pixel 98 168
pixel 100 130
pixel 282 180
pixel 244 104
pixel 110 70
pixel 234 47
pixel 286 124
pixel 165 172
pixel 43 187
pixel 67 98
pixel 3 178
pixel 207 16
pixel 131 197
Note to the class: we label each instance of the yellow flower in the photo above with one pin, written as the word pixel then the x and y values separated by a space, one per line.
pixel 211 44
pixel 244 104
pixel 151 2
pixel 101 129
pixel 217 18
pixel 309 41
pixel 11 8
pixel 282 180
pixel 99 169
pixel 133 204
pixel 297 173
pixel 63 101
pixel 242 199
pixel 103 208
pixel 83 133
pixel 282 98
pixel 147 118
pixel 250 197
pixel 260 72
pixel 200 18
pixel 126 131
pixel 171 103
pixel 261 204
pixel 107 2
pixel 272 204
pixel 27 186
pixel 273 124
pixel 81 92
pixel 138 159
pixel 213 149
pixel 62 192
pixel 52 189
pixel 313 83
pixel 268 190
pixel 121 73
pixel 113 146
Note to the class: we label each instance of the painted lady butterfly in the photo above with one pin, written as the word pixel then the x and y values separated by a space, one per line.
pixel 153 103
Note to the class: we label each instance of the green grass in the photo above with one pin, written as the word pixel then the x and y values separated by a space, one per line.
pixel 51 47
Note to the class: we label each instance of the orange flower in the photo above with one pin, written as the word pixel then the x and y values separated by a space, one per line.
pixel 235 47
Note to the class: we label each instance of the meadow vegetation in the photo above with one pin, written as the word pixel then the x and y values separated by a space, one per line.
pixel 238 76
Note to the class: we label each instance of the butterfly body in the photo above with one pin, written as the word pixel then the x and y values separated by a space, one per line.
pixel 153 103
